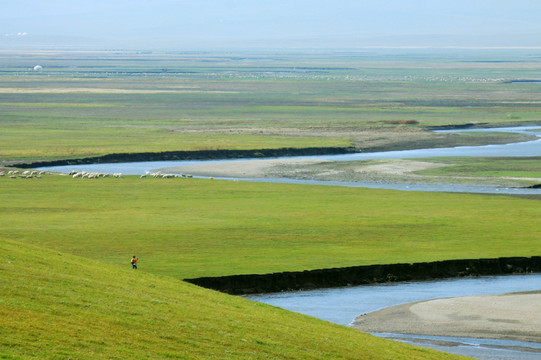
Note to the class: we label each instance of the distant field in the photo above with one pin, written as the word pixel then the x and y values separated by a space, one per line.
pixel 188 227
pixel 86 104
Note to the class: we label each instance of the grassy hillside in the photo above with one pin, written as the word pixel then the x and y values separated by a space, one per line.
pixel 192 227
pixel 58 306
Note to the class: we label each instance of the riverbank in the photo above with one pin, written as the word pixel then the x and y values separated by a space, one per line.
pixel 187 156
pixel 396 171
pixel 509 317
pixel 367 274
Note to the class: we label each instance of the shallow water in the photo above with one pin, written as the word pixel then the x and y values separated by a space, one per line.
pixel 343 305
pixel 523 149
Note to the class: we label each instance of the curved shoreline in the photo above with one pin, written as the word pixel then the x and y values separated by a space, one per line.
pixel 512 316
pixel 367 274
pixel 190 155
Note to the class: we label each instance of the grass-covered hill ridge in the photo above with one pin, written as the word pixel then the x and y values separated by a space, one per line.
pixel 58 306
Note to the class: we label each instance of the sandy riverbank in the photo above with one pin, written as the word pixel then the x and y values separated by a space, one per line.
pixel 510 316
pixel 372 171
pixel 240 169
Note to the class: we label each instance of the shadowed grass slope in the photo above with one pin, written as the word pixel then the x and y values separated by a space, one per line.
pixel 59 306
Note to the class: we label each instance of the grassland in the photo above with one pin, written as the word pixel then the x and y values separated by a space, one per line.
pixel 92 104
pixel 68 289
pixel 527 167
pixel 58 306
pixel 66 285
pixel 188 227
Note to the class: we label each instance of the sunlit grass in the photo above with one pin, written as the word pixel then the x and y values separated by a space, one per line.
pixel 188 227
pixel 58 306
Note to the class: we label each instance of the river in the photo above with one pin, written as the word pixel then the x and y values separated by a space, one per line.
pixel 343 305
pixel 522 149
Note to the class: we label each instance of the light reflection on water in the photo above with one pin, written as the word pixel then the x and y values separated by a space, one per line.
pixel 343 305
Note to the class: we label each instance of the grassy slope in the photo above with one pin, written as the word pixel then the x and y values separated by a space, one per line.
pixel 191 227
pixel 58 306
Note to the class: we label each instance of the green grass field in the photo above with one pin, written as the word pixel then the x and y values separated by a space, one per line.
pixel 93 104
pixel 66 287
pixel 188 227
pixel 58 306
pixel 527 167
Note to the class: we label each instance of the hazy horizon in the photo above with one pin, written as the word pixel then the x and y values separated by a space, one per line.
pixel 251 24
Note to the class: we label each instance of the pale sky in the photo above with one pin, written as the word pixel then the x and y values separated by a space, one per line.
pixel 204 24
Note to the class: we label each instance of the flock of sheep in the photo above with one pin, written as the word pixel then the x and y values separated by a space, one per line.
pixel 96 175
pixel 159 174
pixel 29 174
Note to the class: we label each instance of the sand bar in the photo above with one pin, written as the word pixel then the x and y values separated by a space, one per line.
pixel 514 316
pixel 238 169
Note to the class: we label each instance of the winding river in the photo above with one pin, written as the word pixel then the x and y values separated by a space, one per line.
pixel 522 149
pixel 342 305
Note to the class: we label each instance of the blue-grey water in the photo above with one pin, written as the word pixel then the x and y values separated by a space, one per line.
pixel 522 149
pixel 343 305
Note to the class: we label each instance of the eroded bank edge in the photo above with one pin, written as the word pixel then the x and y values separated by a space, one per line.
pixel 189 155
pixel 367 274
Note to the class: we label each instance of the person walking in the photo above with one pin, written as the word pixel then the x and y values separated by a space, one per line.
pixel 134 263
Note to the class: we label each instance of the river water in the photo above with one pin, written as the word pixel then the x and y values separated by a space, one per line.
pixel 522 149
pixel 343 305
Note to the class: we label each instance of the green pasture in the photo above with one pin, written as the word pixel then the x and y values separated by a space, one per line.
pixel 97 103
pixel 55 305
pixel 68 289
pixel 188 228
pixel 66 286
pixel 520 167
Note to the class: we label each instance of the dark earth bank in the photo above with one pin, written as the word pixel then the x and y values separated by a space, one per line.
pixel 191 155
pixel 369 274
